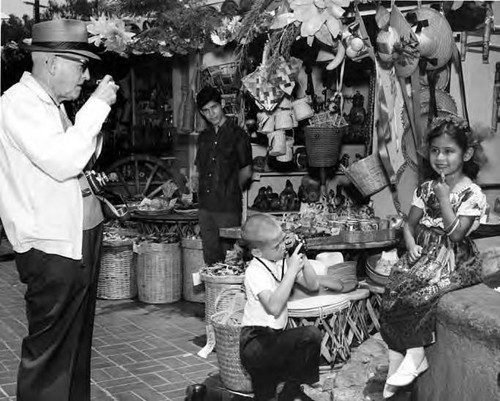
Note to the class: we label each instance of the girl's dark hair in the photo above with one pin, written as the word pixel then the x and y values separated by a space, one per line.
pixel 458 129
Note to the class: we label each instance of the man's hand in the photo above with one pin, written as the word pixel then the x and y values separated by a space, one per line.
pixel 106 90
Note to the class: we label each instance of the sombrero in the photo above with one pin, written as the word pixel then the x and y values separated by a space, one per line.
pixel 442 78
pixel 405 55
pixel 434 35
pixel 445 105
pixel 61 36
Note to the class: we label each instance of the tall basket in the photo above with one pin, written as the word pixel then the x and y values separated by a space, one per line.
pixel 226 322
pixel 159 272
pixel 117 275
pixel 192 262
pixel 367 175
pixel 323 145
pixel 214 285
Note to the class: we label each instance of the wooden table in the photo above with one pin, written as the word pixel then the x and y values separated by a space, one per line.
pixel 235 233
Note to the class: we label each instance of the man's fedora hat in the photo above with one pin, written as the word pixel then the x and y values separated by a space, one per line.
pixel 61 36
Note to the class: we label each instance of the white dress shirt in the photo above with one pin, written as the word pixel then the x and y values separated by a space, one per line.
pixel 41 203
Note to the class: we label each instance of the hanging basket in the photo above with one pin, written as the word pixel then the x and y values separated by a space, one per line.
pixel 367 175
pixel 323 145
pixel 223 76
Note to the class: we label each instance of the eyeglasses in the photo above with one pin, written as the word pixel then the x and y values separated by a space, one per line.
pixel 84 64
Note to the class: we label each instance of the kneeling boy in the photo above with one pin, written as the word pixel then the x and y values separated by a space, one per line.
pixel 271 353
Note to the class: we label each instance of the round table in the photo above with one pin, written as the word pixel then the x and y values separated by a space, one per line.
pixel 185 225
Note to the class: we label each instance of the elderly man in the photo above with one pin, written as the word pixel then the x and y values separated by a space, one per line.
pixel 50 215
pixel 224 162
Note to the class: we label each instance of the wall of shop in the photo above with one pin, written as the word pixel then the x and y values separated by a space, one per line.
pixel 478 79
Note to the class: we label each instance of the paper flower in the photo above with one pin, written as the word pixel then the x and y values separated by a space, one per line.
pixel 227 31
pixel 109 32
pixel 320 19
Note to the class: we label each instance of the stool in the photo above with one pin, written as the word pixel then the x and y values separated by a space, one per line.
pixel 329 314
pixel 357 324
pixel 373 303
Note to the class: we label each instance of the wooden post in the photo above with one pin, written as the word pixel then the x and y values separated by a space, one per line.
pixel 134 110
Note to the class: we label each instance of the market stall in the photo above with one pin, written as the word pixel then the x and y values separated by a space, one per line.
pixel 335 98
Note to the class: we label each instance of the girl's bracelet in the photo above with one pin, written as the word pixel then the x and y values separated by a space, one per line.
pixel 452 227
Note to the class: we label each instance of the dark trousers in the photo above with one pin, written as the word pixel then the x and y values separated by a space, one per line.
pixel 272 356
pixel 60 308
pixel 215 247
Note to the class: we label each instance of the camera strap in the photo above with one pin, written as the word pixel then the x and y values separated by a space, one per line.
pixel 269 270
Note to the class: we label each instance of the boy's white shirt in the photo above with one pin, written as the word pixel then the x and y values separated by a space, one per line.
pixel 258 279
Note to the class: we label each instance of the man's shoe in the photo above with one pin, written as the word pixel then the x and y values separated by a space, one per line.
pixel 196 392
pixel 405 376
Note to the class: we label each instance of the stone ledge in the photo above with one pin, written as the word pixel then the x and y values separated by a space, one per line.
pixel 474 312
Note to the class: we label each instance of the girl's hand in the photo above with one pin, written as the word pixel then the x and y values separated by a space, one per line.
pixel 414 253
pixel 442 189
pixel 295 262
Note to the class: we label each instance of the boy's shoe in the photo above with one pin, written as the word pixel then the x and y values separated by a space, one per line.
pixel 404 376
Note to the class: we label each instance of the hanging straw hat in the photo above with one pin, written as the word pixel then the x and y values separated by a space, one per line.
pixel 442 78
pixel 445 105
pixel 61 36
pixel 434 35
pixel 405 52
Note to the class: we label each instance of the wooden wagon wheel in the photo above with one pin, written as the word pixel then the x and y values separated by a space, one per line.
pixel 136 176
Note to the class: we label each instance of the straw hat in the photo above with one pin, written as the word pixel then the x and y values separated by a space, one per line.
pixel 442 78
pixel 445 105
pixel 405 52
pixel 61 36
pixel 434 35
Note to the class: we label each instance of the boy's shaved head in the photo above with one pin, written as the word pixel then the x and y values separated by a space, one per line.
pixel 259 230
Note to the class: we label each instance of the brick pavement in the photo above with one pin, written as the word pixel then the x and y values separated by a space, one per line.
pixel 140 351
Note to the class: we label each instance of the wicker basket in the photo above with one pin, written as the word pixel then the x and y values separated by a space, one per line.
pixel 192 261
pixel 214 285
pixel 323 145
pixel 368 175
pixel 226 322
pixel 159 272
pixel 117 275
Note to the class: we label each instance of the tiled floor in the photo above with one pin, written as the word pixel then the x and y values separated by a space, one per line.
pixel 141 351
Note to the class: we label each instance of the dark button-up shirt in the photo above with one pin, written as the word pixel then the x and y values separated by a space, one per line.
pixel 220 157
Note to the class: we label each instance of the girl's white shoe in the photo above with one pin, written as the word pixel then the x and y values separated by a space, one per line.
pixel 389 390
pixel 405 375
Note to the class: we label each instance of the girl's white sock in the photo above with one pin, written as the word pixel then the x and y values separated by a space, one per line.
pixel 413 358
pixel 395 359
